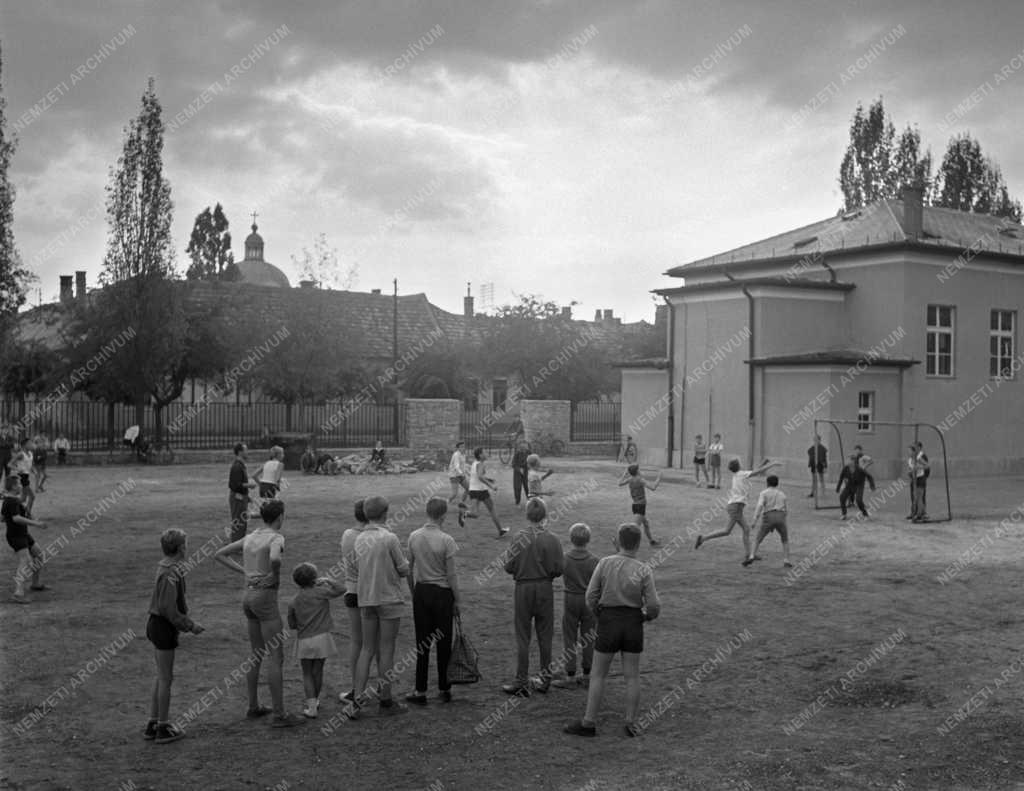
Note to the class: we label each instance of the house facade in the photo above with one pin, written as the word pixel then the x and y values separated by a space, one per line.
pixel 894 313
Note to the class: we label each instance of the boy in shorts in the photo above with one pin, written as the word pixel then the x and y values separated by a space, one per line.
pixel 535 560
pixel 39 446
pixel 535 478
pixel 480 484
pixel 30 557
pixel 737 502
pixel 715 451
pixel 355 622
pixel 700 456
pixel 457 476
pixel 168 616
pixel 622 595
pixel 638 486
pixel 771 510
pixel 578 621
pixel 21 465
pixel 261 552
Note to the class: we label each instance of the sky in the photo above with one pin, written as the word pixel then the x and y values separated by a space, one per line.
pixel 574 150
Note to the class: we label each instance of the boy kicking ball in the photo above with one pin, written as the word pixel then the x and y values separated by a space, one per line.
pixel 771 510
pixel 737 502
pixel 622 595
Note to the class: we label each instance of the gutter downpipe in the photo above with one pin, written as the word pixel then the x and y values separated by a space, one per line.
pixel 750 368
pixel 671 387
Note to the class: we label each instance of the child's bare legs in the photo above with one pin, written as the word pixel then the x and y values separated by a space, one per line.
pixel 761 533
pixel 310 682
pixel 598 674
pixel 735 518
pixel 785 552
pixel 631 672
pixel 386 661
pixel 29 566
pixel 371 629
pixel 28 498
pixel 355 623
pixel 160 707
pixel 494 517
pixel 261 633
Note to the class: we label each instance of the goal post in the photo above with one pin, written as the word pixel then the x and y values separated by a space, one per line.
pixel 892 461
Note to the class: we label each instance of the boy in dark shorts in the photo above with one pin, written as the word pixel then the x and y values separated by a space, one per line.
pixel 851 485
pixel 21 466
pixel 39 445
pixel 168 615
pixel 638 486
pixel 622 595
pixel 30 557
pixel 771 510
pixel 700 456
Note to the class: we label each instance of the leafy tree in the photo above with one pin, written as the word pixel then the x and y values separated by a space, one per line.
pixel 970 181
pixel 139 204
pixel 911 166
pixel 14 278
pixel 867 174
pixel 210 247
pixel 321 266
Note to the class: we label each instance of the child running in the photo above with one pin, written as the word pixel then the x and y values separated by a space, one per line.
pixel 715 452
pixel 479 484
pixel 30 557
pixel 771 510
pixel 700 455
pixel 623 596
pixel 638 486
pixel 457 476
pixel 578 621
pixel 168 616
pixel 737 502
pixel 309 615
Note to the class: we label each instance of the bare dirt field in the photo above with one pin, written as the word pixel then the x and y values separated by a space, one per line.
pixel 881 666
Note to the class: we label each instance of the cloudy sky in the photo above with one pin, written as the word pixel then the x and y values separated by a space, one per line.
pixel 572 149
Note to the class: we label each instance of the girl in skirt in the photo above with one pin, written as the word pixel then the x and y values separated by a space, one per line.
pixel 309 615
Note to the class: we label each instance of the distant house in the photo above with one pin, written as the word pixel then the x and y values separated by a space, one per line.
pixel 896 312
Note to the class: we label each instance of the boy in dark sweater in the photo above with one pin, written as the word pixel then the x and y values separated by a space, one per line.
pixel 535 560
pixel 851 485
pixel 578 621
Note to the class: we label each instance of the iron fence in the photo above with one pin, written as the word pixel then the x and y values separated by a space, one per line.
pixel 595 421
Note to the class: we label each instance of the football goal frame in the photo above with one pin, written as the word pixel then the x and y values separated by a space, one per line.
pixel 835 424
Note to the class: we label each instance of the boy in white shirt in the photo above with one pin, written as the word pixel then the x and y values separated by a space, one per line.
pixel 771 510
pixel 737 502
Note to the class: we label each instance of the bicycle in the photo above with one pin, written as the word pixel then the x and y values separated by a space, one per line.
pixel 160 454
pixel 548 445
pixel 627 450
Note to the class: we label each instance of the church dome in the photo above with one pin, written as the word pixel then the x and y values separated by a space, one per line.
pixel 254 270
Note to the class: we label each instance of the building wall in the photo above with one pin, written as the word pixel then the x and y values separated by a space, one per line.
pixel 645 413
pixel 432 424
pixel 808 319
pixel 546 417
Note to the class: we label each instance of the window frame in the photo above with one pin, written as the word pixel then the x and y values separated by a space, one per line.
pixel 999 334
pixel 937 330
pixel 869 427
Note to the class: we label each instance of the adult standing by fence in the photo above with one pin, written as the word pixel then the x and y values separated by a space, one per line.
pixel 238 495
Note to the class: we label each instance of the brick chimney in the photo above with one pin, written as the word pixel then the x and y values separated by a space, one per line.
pixel 375 291
pixel 67 289
pixel 307 283
pixel 80 285
pixel 609 314
pixel 913 210
pixel 467 304
pixel 597 315
pixel 567 312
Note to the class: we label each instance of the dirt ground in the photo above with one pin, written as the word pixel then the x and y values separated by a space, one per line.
pixel 865 672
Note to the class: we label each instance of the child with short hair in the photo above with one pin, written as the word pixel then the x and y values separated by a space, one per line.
pixel 351 576
pixel 578 621
pixel 457 475
pixel 309 615
pixel 30 557
pixel 737 502
pixel 535 560
pixel 269 475
pixel 700 453
pixel 536 478
pixel 40 444
pixel 771 510
pixel 168 616
pixel 479 485
pixel 851 485
pixel 434 585
pixel 622 595
pixel 715 452
pixel 21 465
pixel 638 486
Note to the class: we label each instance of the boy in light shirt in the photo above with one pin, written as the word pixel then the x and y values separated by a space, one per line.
pixel 737 502
pixel 771 510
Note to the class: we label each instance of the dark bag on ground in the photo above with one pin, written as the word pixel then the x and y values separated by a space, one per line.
pixel 463 666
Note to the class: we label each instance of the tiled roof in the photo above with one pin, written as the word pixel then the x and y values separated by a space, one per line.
pixel 834 357
pixel 877 224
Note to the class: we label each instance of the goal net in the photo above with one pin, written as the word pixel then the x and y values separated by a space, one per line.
pixel 887 446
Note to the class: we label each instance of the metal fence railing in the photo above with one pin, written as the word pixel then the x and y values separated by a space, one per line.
pixel 595 421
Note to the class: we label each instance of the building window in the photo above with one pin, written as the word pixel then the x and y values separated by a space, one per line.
pixel 1002 331
pixel 865 410
pixel 939 351
pixel 499 394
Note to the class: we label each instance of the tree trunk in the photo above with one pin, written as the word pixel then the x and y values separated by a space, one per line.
pixel 158 423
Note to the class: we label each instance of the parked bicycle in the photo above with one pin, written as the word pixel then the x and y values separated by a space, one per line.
pixel 548 445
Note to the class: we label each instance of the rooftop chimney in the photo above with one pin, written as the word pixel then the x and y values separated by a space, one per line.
pixel 375 291
pixel 80 285
pixel 67 289
pixel 307 283
pixel 913 211
pixel 567 312
pixel 608 314
pixel 597 315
